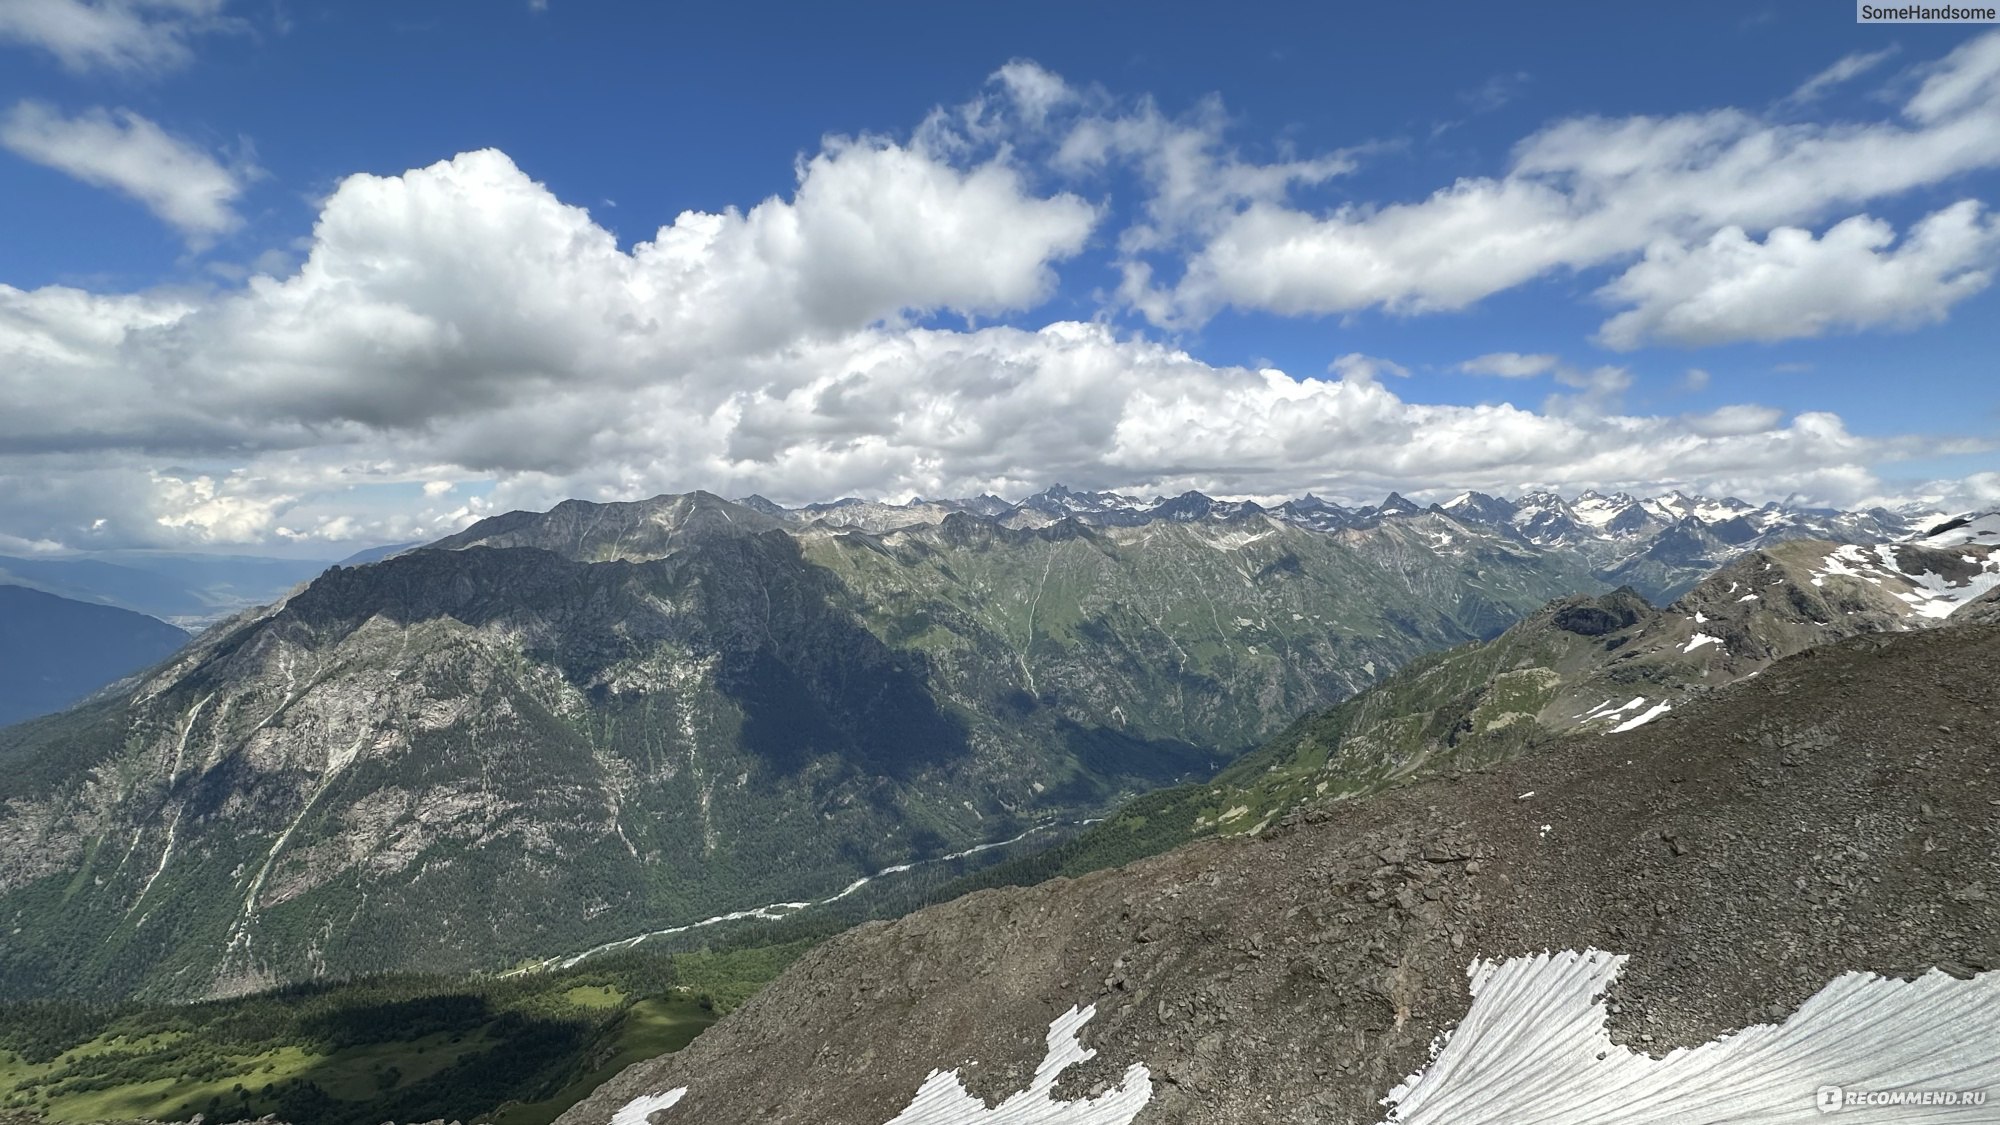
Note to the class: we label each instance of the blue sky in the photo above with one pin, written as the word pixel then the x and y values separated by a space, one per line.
pixel 1742 249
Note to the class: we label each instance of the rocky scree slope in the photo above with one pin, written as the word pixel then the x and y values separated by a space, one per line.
pixel 1839 812
pixel 559 729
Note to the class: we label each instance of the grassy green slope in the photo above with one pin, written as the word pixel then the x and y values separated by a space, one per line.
pixel 514 1051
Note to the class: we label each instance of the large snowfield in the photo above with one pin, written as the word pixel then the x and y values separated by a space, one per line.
pixel 1534 1048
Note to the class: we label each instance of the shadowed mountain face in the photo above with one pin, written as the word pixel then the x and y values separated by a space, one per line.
pixel 1833 814
pixel 559 729
pixel 54 651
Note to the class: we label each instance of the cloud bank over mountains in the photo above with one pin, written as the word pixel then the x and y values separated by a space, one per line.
pixel 457 339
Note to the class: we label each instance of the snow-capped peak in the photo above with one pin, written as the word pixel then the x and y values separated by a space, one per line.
pixel 1598 510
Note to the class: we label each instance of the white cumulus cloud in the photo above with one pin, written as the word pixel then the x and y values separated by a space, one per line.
pixel 1792 285
pixel 458 340
pixel 175 179
pixel 125 35
pixel 1581 194
pixel 1510 365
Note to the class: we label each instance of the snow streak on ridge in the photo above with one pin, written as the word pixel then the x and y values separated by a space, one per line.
pixel 640 1110
pixel 1534 1047
pixel 943 1100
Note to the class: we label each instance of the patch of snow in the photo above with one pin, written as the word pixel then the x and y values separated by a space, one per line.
pixel 1598 511
pixel 1842 562
pixel 1592 713
pixel 1651 713
pixel 1931 595
pixel 1936 597
pixel 1234 540
pixel 1701 639
pixel 640 1109
pixel 1982 529
pixel 1747 598
pixel 944 1100
pixel 1533 1047
pixel 1676 504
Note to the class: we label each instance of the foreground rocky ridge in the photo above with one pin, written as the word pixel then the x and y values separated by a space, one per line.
pixel 1839 812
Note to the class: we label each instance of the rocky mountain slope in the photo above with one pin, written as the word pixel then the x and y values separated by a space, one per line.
pixel 1601 664
pixel 559 729
pixel 54 651
pixel 1839 812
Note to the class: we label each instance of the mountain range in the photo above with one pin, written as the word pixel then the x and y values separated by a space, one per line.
pixel 1659 545
pixel 584 724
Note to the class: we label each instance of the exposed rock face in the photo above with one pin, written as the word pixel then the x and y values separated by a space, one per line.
pixel 559 729
pixel 1983 610
pixel 1839 812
